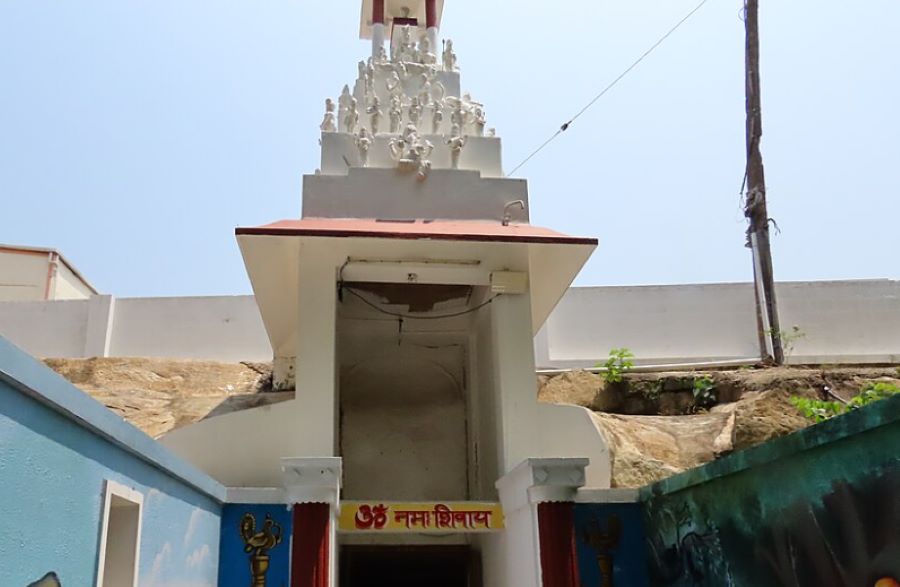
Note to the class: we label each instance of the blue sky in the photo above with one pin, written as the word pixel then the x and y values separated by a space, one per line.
pixel 134 136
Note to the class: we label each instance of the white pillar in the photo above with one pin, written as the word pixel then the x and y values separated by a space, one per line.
pixel 432 33
pixel 316 480
pixel 315 371
pixel 515 385
pixel 532 482
pixel 377 37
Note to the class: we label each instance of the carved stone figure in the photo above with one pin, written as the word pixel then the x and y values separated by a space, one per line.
pixel 458 115
pixel 361 66
pixel 406 47
pixel 381 56
pixel 426 57
pixel 437 117
pixel 363 142
pixel 370 78
pixel 352 119
pixel 456 142
pixel 343 107
pixel 437 91
pixel 492 132
pixel 425 91
pixel 415 111
pixel 402 70
pixel 328 122
pixel 479 121
pixel 396 113
pixel 449 57
pixel 393 83
pixel 412 152
pixel 374 110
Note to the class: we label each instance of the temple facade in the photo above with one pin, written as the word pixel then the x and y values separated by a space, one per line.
pixel 401 308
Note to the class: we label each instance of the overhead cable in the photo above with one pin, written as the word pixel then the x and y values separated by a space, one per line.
pixel 565 126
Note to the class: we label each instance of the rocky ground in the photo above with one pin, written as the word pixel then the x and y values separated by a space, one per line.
pixel 652 421
pixel 158 395
pixel 655 427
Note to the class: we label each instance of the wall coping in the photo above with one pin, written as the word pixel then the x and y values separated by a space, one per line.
pixel 876 415
pixel 31 377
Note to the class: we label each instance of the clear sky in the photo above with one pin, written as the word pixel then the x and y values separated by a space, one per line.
pixel 134 136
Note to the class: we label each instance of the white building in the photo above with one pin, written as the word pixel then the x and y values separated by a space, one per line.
pixel 35 273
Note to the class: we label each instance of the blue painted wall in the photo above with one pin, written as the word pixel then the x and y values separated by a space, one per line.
pixel 614 532
pixel 52 482
pixel 235 561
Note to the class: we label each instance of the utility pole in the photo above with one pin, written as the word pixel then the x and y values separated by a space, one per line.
pixel 755 201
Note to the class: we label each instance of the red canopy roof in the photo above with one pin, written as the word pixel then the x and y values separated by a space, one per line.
pixel 460 230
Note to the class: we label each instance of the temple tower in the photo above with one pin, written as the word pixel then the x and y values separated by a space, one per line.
pixel 401 308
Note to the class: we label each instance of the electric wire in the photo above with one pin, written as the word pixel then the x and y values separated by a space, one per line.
pixel 402 316
pixel 565 126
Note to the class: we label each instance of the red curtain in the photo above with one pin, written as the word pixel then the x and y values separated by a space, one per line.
pixel 559 561
pixel 311 546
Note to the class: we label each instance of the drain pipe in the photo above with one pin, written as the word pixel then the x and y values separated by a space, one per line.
pixel 749 361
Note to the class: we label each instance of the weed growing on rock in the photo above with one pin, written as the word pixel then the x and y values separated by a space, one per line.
pixel 618 363
pixel 705 395
pixel 819 410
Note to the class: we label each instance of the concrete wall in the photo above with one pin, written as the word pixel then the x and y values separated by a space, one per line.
pixel 58 450
pixel 403 425
pixel 23 275
pixel 222 328
pixel 818 507
pixel 68 285
pixel 843 322
pixel 217 328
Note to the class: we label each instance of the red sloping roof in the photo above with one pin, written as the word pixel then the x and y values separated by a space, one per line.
pixel 461 230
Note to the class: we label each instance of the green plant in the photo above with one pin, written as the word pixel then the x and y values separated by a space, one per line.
pixel 705 394
pixel 788 338
pixel 618 363
pixel 820 410
pixel 817 410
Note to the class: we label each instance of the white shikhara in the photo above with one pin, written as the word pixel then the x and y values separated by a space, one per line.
pixel 417 91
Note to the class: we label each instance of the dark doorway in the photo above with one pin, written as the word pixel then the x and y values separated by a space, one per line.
pixel 408 566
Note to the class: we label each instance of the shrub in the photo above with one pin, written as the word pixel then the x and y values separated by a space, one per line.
pixel 820 410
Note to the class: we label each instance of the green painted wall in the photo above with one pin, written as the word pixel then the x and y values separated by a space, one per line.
pixel 820 508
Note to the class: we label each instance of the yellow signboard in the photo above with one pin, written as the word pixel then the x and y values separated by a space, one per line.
pixel 418 517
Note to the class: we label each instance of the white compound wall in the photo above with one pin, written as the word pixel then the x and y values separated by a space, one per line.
pixel 842 322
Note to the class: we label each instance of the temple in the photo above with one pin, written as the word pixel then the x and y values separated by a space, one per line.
pixel 401 308
pixel 397 438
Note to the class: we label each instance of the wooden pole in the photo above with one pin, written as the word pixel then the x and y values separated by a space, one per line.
pixel 755 203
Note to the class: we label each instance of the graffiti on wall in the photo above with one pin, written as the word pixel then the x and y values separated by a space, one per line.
pixel 850 536
pixel 685 550
pixel 254 546
pixel 609 541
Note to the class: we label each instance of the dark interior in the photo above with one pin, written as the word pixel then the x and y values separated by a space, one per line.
pixel 407 566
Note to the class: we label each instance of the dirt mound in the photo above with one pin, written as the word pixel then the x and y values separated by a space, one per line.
pixel 158 395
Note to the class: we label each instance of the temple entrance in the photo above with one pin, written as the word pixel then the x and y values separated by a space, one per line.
pixel 403 428
pixel 408 566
